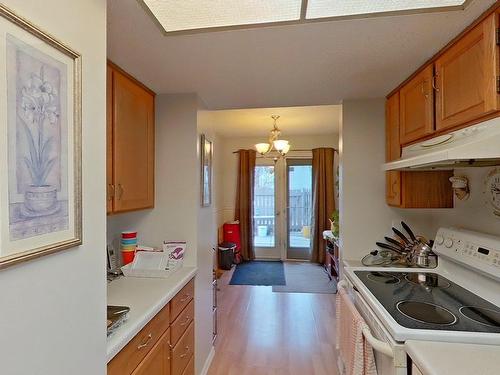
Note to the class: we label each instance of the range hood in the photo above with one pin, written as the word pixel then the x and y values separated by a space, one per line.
pixel 475 146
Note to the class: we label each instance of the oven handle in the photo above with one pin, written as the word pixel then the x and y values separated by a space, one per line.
pixel 375 343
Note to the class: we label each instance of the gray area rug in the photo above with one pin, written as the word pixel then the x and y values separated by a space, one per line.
pixel 306 278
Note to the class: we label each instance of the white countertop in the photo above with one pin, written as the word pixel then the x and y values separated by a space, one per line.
pixel 442 358
pixel 145 297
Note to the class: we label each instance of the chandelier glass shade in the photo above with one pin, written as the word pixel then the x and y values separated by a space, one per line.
pixel 281 146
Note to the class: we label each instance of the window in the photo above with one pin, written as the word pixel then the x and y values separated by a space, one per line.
pixel 264 202
pixel 190 15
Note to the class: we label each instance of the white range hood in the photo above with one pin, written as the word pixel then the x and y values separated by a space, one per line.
pixel 475 146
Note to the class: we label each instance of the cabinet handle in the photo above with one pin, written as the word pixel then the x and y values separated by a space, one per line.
pixel 434 83
pixel 120 191
pixel 186 297
pixel 143 345
pixel 185 321
pixel 422 89
pixel 186 350
pixel 111 192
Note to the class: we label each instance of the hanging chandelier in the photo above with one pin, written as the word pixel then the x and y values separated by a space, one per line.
pixel 274 144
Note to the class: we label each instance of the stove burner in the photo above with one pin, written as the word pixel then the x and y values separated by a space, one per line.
pixel 427 279
pixel 481 315
pixel 383 278
pixel 425 312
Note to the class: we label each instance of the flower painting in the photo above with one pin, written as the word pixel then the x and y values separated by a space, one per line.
pixel 37 160
pixel 40 161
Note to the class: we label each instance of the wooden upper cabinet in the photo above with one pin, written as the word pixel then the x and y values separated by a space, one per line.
pixel 133 144
pixel 393 150
pixel 109 142
pixel 417 107
pixel 466 77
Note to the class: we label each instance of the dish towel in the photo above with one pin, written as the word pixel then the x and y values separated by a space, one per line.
pixel 355 353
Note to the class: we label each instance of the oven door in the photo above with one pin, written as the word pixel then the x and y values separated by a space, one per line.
pixel 390 356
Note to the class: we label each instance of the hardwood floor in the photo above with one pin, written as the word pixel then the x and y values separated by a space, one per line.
pixel 266 333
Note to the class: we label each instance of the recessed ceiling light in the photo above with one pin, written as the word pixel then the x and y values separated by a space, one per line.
pixel 343 8
pixel 179 15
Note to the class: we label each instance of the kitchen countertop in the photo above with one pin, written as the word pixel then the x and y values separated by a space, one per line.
pixel 442 358
pixel 145 297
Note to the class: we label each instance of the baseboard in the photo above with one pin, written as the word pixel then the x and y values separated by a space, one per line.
pixel 208 362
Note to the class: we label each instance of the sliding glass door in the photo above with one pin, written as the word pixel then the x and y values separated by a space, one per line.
pixel 299 208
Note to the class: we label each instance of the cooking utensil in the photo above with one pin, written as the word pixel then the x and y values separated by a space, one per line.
pixel 409 231
pixel 389 247
pixel 401 236
pixel 420 254
pixel 395 242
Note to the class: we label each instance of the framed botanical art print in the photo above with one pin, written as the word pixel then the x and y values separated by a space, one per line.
pixel 206 171
pixel 40 145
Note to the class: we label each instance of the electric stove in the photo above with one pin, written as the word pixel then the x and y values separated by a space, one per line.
pixel 421 300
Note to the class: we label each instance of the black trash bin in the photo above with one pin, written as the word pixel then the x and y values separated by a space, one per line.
pixel 226 255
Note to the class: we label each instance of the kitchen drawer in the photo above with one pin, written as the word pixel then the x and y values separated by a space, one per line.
pixel 189 370
pixel 183 351
pixel 182 322
pixel 134 352
pixel 181 300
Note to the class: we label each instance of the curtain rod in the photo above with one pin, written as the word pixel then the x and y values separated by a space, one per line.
pixel 299 149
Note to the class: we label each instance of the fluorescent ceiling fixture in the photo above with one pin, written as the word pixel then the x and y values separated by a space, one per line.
pixel 179 15
pixel 345 8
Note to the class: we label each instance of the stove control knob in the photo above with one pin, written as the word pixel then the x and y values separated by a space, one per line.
pixel 448 243
pixel 439 240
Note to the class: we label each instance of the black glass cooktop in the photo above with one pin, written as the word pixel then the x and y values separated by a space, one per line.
pixel 430 301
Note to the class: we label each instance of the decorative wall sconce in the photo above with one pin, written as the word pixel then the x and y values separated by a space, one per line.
pixel 460 186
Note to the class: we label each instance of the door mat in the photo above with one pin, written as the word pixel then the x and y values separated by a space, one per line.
pixel 306 278
pixel 259 273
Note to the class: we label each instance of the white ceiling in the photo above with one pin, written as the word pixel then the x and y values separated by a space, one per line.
pixel 311 120
pixel 294 65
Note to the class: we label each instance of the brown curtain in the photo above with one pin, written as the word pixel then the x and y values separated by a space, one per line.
pixel 323 199
pixel 244 201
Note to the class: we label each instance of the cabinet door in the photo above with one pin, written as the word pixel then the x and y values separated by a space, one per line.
pixel 417 107
pixel 393 149
pixel 466 77
pixel 109 140
pixel 133 141
pixel 157 361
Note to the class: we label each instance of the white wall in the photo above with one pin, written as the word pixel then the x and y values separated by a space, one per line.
pixel 52 314
pixel 177 214
pixel 207 240
pixel 473 213
pixel 364 216
pixel 229 165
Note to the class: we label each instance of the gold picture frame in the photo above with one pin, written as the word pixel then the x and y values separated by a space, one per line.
pixel 40 125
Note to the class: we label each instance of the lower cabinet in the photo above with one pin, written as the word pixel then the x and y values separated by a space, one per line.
pixel 157 361
pixel 165 346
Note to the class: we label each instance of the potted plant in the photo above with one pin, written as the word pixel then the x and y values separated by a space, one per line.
pixel 334 223
pixel 39 111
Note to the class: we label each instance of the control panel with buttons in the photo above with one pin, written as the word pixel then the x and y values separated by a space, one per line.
pixel 477 250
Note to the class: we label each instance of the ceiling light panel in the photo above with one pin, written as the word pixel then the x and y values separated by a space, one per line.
pixel 342 8
pixel 175 15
